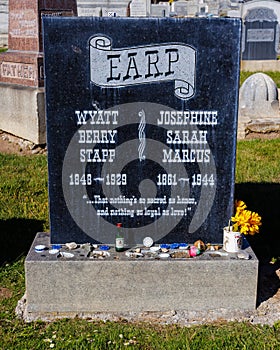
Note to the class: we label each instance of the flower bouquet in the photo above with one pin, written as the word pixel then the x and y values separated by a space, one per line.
pixel 244 222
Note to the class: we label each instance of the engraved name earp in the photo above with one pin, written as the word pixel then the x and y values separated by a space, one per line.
pixel 143 64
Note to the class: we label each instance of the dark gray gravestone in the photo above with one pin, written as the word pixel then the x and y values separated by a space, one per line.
pixel 141 125
pixel 261 35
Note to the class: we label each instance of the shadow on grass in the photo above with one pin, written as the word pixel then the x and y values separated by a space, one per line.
pixel 16 237
pixel 268 281
pixel 265 200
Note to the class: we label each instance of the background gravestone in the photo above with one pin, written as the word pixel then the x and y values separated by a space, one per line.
pixel 22 110
pixel 261 35
pixel 139 8
pixel 259 97
pixel 23 62
pixel 258 106
pixel 160 10
pixel 141 127
pixel 180 8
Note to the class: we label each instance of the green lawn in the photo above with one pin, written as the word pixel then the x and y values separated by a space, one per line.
pixel 275 76
pixel 24 211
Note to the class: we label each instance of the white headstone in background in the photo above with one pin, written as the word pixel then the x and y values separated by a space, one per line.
pixel 192 7
pixel 180 8
pixel 160 10
pixel 103 8
pixel 213 7
pixel 140 8
pixel 258 97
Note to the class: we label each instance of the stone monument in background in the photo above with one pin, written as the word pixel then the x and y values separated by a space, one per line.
pixel 261 34
pixel 258 107
pixel 21 67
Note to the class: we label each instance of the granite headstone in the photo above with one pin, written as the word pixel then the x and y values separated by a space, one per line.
pixel 261 35
pixel 141 127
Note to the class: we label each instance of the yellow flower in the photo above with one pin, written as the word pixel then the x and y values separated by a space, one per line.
pixel 240 205
pixel 245 221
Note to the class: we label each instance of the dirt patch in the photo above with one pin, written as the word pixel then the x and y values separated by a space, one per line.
pixel 10 144
pixel 262 136
pixel 5 293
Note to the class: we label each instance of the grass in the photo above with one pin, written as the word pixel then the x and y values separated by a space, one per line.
pixel 257 161
pixel 275 76
pixel 23 188
pixel 24 211
pixel 23 202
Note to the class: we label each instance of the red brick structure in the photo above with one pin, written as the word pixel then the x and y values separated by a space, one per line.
pixel 22 64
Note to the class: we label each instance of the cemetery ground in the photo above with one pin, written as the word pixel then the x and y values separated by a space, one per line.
pixel 24 211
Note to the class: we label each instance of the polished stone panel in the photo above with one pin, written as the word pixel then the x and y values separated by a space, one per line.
pixel 141 125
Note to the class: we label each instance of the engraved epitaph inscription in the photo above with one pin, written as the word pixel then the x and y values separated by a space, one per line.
pixel 23 23
pixel 254 35
pixel 14 70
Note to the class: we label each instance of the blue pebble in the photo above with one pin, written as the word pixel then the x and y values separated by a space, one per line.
pixel 165 246
pixel 104 247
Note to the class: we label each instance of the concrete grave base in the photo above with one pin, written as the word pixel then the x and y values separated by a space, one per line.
pixel 69 287
pixel 22 112
pixel 268 127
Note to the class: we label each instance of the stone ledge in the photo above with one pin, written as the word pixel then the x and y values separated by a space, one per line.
pixel 58 288
pixel 22 112
pixel 260 65
pixel 258 127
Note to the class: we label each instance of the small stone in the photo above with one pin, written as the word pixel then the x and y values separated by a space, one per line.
pixel 40 248
pixel 66 255
pixel 35 151
pixel 148 242
pixel 71 245
pixel 200 245
pixel 243 255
